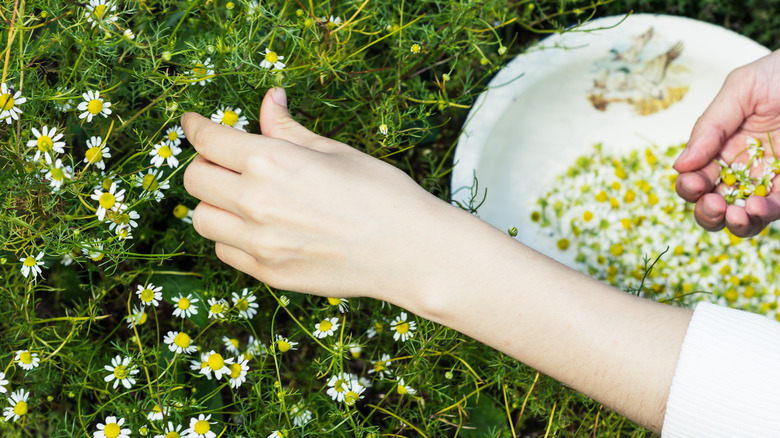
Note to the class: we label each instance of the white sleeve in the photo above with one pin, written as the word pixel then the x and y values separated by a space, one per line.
pixel 727 382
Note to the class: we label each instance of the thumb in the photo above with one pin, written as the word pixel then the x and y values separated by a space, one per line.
pixel 276 122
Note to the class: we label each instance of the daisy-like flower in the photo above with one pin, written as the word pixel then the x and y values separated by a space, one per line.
pixel 254 348
pixel 165 153
pixel 403 388
pixel 27 360
pixel 342 303
pixel 375 329
pixel 217 308
pixel 112 428
pixel 46 141
pixel 18 408
pixel 183 213
pixel 383 129
pixel 282 433
pixel 238 371
pixel 57 174
pixel 403 328
pixel 200 427
pixel 157 413
pixel 338 385
pixel 355 350
pixel 149 295
pixel 123 221
pixel 179 342
pixel 121 372
pixel 203 72
pixel 9 102
pixel 381 367
pixel 284 345
pixel 138 317
pixel 129 34
pixel 93 250
pixel 231 344
pixel 32 265
pixel 93 105
pixel 97 153
pixel 230 117
pixel 415 48
pixel 109 200
pixel 215 363
pixel 152 183
pixel 3 382
pixel 184 306
pixel 174 135
pixel 300 415
pixel 101 12
pixel 171 431
pixel 326 327
pixel 245 303
pixel 271 60
pixel 354 393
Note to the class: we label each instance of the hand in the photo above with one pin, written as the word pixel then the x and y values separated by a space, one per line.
pixel 748 105
pixel 309 214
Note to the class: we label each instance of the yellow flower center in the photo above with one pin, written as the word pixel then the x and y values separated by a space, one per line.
pixel 149 182
pixel 351 398
pixel 30 261
pixel 334 301
pixel 402 327
pixel 6 102
pixel 180 211
pixel 99 11
pixel 379 367
pixel 107 200
pixel 216 308
pixel 112 430
pixel 184 303
pixel 165 151
pixel 201 427
pixel 121 372
pixel 26 357
pixel 95 106
pixel 172 136
pixel 230 118
pixel 20 408
pixel 235 370
pixel 141 318
pixel 402 389
pixel 172 434
pixel 94 154
pixel 216 362
pixel 57 173
pixel 325 325
pixel 45 143
pixel 182 340
pixel 234 342
pixel 242 304
pixel 283 346
pixel 339 386
pixel 271 57
pixel 147 295
pixel 200 70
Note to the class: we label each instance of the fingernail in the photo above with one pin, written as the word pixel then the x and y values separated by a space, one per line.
pixel 682 156
pixel 279 96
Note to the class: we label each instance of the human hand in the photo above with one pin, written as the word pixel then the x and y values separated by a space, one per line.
pixel 306 213
pixel 748 105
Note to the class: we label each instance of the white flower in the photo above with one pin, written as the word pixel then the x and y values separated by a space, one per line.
pixel 403 328
pixel 217 308
pixel 93 105
pixel 354 392
pixel 94 252
pixel 230 117
pixel 46 142
pixel 179 342
pixel 200 427
pixel 403 388
pixel 231 344
pixel 381 367
pixel 171 431
pixel 338 385
pixel 203 72
pixel 57 174
pixel 18 408
pixel 342 303
pixel 214 362
pixel 254 348
pixel 157 413
pixel 152 184
pixel 112 429
pixel 300 415
pixel 278 434
pixel 3 382
pixel 174 135
pixel 8 104
pixel 32 265
pixel 164 152
pixel 238 372
pixel 27 360
pixel 100 12
pixel 245 303
pixel 97 152
pixel 109 200
pixel 129 34
pixel 184 306
pixel 271 59
pixel 121 372
pixel 383 129
pixel 326 327
pixel 149 294
pixel 138 317
pixel 283 345
pixel 123 221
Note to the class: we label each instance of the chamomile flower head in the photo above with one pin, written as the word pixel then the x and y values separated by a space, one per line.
pixel 46 142
pixel 403 327
pixel 218 307
pixel 326 327
pixel 341 303
pixel 9 103
pixel 254 348
pixel 26 359
pixel 179 342
pixel 203 72
pixel 174 135
pixel 281 433
pixel 3 383
pixel 101 12
pixel 184 307
pixel 381 367
pixel 108 200
pixel 112 428
pixel 149 294
pixel 354 393
pixel 200 427
pixel 18 405
pixel 93 105
pixel 403 388
pixel 93 250
pixel 383 129
pixel 121 372
pixel 415 48
pixel 271 60
pixel 245 303
pixel 129 34
pixel 31 266
pixel 165 153
pixel 213 362
pixel 231 344
pixel 137 317
pixel 283 345
pixel 300 415
pixel 238 371
pixel 157 413
pixel 152 183
pixel 230 117
pixel 339 384
pixel 57 174
pixel 122 221
pixel 171 431
pixel 97 152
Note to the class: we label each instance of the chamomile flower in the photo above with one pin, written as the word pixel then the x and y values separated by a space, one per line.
pixel 245 303
pixel 179 342
pixel 238 372
pixel 121 372
pixel 183 213
pixel 165 153
pixel 300 415
pixel 215 363
pixel 57 174
pixel 93 105
pixel 218 308
pixel 383 129
pixel 46 141
pixel 254 348
pixel 9 101
pixel 283 345
pixel 174 135
pixel 403 328
pixel 3 383
pixel 157 413
pixel 171 431
pixel 137 317
pixel 32 265
pixel 108 200
pixel 342 303
pixel 184 307
pixel 338 385
pixel 93 250
pixel 203 72
pixel 381 367
pixel 354 393
pixel 231 344
pixel 112 428
pixel 152 184
pixel 97 152
pixel 101 12
pixel 403 388
pixel 149 294
pixel 326 327
pixel 230 117
pixel 26 359
pixel 200 427
pixel 271 60
pixel 281 433
pixel 123 221
pixel 18 408
pixel 415 48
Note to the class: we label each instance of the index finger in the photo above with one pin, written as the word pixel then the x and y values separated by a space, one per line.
pixel 220 144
